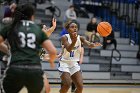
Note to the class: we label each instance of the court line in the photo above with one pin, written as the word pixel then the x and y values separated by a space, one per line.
pixel 103 86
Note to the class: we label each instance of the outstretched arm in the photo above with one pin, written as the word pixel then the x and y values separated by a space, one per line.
pixel 49 31
pixel 89 44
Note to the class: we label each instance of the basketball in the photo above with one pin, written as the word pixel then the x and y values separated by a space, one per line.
pixel 104 29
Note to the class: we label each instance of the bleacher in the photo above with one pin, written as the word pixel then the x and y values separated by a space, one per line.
pixel 96 67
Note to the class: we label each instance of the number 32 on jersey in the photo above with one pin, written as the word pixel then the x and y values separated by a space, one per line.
pixel 27 40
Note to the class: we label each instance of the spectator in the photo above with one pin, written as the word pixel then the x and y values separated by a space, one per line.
pixel 109 40
pixel 9 10
pixel 91 29
pixel 70 14
pixel 33 2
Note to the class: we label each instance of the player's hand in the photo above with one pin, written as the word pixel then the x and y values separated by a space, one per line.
pixel 81 61
pixel 46 57
pixel 74 37
pixel 92 45
pixel 59 56
pixel 108 41
pixel 54 23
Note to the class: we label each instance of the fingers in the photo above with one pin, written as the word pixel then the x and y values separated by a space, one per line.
pixel 54 22
pixel 98 44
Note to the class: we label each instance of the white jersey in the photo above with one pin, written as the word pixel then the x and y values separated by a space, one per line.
pixel 74 55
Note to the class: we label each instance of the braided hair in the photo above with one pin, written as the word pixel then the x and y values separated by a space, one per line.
pixel 23 12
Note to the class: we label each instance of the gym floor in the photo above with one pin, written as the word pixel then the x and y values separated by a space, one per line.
pixel 100 88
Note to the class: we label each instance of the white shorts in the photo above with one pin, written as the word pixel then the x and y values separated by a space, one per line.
pixel 70 67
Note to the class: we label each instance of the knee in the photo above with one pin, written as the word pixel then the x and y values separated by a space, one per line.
pixel 80 87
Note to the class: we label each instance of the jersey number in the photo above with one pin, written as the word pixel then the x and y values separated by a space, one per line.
pixel 72 54
pixel 28 40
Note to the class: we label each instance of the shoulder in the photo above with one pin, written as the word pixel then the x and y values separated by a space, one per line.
pixel 36 28
pixel 63 37
pixel 82 38
pixel 5 28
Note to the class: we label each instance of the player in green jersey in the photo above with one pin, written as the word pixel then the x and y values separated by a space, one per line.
pixel 25 38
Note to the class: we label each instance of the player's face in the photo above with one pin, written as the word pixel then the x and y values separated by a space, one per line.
pixel 73 28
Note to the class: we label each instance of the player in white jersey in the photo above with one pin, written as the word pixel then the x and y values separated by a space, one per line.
pixel 68 66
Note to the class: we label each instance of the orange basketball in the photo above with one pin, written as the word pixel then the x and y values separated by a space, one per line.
pixel 104 29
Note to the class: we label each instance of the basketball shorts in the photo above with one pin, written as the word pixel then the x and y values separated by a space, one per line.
pixel 70 67
pixel 17 78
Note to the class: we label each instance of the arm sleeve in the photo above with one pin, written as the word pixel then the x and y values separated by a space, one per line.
pixel 43 37
pixel 4 32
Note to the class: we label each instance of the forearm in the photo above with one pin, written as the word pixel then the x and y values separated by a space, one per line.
pixel 52 58
pixel 82 55
pixel 49 31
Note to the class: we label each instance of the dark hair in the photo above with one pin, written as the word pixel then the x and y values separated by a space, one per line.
pixel 92 19
pixel 23 12
pixel 67 24
pixel 71 6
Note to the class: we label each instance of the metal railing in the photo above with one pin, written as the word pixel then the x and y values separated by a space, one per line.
pixel 116 58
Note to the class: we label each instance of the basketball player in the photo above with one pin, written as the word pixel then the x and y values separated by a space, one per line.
pixel 48 32
pixel 64 31
pixel 25 38
pixel 68 66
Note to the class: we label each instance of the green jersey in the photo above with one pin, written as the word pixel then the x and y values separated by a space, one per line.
pixel 31 37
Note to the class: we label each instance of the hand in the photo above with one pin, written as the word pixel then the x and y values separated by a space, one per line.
pixel 95 45
pixel 108 41
pixel 54 23
pixel 81 61
pixel 74 37
pixel 93 32
pixel 59 55
pixel 46 57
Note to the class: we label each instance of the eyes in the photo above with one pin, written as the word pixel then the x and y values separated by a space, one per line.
pixel 73 25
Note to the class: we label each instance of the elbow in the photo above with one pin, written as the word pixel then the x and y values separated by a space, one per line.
pixel 53 52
